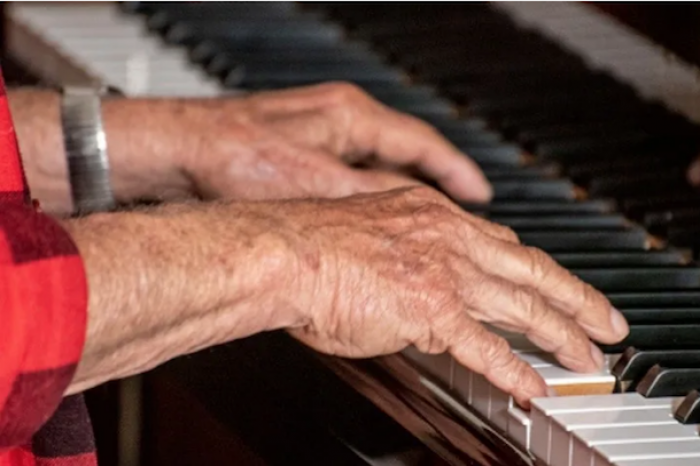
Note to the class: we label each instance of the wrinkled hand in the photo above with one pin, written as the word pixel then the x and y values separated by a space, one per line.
pixel 404 267
pixel 300 142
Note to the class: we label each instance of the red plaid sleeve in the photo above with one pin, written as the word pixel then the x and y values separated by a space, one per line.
pixel 43 302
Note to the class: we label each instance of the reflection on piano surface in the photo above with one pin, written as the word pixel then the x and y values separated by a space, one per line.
pixel 585 130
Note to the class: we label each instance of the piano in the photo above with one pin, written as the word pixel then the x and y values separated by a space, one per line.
pixel 584 126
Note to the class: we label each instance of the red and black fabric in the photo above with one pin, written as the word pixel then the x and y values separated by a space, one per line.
pixel 43 312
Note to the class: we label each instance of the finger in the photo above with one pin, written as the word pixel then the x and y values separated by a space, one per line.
pixel 377 180
pixel 523 310
pixel 406 141
pixel 694 173
pixel 483 352
pixel 533 268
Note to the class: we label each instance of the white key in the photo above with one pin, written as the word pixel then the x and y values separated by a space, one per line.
pixel 660 462
pixel 583 440
pixel 519 427
pixel 647 451
pixel 439 366
pixel 544 408
pixel 563 424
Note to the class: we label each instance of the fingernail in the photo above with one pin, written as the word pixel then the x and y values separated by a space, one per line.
pixel 551 392
pixel 597 356
pixel 619 323
pixel 694 173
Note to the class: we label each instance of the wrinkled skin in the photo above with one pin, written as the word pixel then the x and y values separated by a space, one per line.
pixel 302 142
pixel 407 267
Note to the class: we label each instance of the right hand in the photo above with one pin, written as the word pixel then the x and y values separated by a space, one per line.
pixel 379 272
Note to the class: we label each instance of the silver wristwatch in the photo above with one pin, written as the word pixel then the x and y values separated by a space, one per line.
pixel 86 148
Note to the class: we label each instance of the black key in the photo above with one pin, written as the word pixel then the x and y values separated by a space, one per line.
pixel 298 30
pixel 580 260
pixel 658 337
pixel 495 154
pixel 601 240
pixel 634 364
pixel 636 184
pixel 480 139
pixel 660 220
pixel 562 222
pixel 534 189
pixel 205 51
pixel 541 208
pixel 661 316
pixel 301 74
pixel 688 412
pixel 662 381
pixel 655 278
pixel 631 299
pixel 509 172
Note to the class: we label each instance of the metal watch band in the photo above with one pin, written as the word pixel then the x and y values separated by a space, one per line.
pixel 86 149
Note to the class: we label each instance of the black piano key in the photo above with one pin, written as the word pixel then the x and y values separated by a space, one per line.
pixel 480 139
pixel 296 29
pixel 663 381
pixel 635 184
pixel 601 240
pixel 203 12
pixel 637 207
pixel 658 337
pixel 676 298
pixel 688 411
pixel 660 220
pixel 507 172
pixel 655 278
pixel 562 222
pixel 299 74
pixel 541 208
pixel 533 189
pixel 580 260
pixel 493 154
pixel 634 364
pixel 655 315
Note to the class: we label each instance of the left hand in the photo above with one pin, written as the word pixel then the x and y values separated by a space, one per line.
pixel 302 142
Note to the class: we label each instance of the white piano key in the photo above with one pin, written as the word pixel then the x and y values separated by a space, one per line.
pixel 563 424
pixel 544 408
pixel 462 383
pixel 647 451
pixel 583 440
pixel 660 462
pixel 480 396
pixel 438 366
pixel 557 376
pixel 519 424
pixel 117 49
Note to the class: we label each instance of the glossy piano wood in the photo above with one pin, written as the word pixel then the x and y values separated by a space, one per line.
pixel 282 400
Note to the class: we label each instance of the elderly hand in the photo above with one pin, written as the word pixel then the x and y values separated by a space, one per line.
pixel 379 272
pixel 301 142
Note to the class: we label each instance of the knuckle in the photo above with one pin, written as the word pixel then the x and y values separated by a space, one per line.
pixel 509 234
pixel 496 354
pixel 346 93
pixel 539 262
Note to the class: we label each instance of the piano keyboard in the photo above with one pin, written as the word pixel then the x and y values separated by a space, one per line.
pixel 584 128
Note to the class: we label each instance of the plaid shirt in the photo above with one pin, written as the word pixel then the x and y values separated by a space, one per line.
pixel 43 303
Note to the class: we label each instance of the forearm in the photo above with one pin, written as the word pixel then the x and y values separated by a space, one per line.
pixel 144 146
pixel 172 280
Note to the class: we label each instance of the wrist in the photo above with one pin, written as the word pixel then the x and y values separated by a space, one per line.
pixel 146 146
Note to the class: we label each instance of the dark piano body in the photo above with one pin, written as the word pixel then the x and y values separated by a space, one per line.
pixel 583 168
